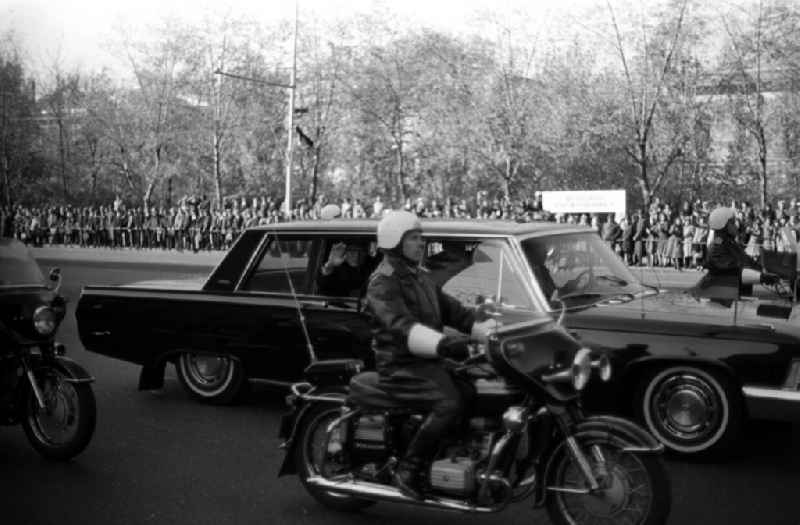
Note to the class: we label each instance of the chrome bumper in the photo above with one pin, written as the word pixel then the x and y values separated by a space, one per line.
pixel 772 403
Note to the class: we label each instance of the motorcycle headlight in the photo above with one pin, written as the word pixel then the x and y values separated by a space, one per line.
pixel 603 367
pixel 44 320
pixel 581 368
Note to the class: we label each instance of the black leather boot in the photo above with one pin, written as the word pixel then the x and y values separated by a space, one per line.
pixel 406 478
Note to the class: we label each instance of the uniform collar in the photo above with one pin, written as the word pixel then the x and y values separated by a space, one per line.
pixel 401 265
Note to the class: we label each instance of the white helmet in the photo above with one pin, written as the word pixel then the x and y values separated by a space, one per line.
pixel 720 217
pixel 394 225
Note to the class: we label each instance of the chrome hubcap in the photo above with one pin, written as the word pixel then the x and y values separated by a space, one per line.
pixel 687 407
pixel 207 370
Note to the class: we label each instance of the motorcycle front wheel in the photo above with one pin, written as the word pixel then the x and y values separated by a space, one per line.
pixel 634 488
pixel 63 429
pixel 310 459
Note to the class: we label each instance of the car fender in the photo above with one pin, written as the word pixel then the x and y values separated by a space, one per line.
pixel 630 377
pixel 296 420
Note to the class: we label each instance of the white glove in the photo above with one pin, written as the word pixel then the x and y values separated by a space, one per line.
pixel 482 330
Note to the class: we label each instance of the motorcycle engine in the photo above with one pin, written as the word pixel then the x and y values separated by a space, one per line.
pixel 454 475
pixel 370 437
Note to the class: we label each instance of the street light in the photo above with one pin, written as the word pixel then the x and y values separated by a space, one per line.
pixel 291 86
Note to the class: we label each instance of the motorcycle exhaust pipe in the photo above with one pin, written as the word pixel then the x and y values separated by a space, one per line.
pixel 376 491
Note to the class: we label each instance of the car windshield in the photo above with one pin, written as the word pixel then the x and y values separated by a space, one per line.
pixel 579 268
pixel 17 266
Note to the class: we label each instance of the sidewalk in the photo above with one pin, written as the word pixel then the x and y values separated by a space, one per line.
pixel 124 255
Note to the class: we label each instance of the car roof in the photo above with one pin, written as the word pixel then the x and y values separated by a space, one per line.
pixel 431 226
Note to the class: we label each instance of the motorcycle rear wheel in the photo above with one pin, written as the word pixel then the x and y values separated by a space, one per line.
pixel 310 450
pixel 636 488
pixel 65 427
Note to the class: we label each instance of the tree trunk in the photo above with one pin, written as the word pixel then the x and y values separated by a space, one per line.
pixel 217 172
pixel 644 182
pixel 62 154
pixel 148 194
pixel 401 183
pixel 6 182
pixel 507 179
pixel 762 161
pixel 314 173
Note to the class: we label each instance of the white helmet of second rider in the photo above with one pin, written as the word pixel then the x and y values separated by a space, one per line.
pixel 720 217
pixel 394 225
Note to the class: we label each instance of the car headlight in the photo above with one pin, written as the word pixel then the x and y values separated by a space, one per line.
pixel 581 368
pixel 44 320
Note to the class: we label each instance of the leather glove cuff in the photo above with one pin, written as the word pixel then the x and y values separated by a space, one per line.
pixel 453 347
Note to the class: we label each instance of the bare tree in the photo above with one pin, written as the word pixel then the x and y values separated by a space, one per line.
pixel 645 93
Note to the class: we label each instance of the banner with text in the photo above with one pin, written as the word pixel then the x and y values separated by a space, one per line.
pixel 589 201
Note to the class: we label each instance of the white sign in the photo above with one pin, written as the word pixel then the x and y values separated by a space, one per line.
pixel 591 201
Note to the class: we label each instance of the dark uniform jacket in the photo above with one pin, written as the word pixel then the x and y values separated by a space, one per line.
pixel 727 257
pixel 399 296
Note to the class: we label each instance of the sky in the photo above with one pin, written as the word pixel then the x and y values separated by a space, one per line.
pixel 76 33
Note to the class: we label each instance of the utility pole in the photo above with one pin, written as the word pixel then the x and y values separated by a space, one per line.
pixel 287 199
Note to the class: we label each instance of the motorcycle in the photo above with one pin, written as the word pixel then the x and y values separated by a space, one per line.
pixel 40 388
pixel 525 437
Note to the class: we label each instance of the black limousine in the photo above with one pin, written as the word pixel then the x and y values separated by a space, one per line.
pixel 691 369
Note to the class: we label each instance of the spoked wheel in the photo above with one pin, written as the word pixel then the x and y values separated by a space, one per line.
pixel 65 426
pixel 315 457
pixel 211 378
pixel 691 410
pixel 634 489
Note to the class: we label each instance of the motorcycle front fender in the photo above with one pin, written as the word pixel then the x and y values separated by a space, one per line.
pixel 638 439
pixel 72 371
pixel 627 434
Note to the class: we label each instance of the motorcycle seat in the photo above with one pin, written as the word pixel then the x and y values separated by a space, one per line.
pixel 365 391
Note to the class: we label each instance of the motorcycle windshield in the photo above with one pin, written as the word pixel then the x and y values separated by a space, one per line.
pixel 579 269
pixel 483 271
pixel 17 266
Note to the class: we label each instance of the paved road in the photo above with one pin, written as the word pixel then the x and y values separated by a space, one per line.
pixel 162 458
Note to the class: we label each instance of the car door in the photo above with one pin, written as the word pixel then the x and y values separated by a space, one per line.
pixel 337 324
pixel 263 322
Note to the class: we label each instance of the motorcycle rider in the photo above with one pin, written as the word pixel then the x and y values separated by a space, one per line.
pixel 726 257
pixel 408 313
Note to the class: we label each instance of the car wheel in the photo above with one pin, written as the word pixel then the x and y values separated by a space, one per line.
pixel 691 410
pixel 211 378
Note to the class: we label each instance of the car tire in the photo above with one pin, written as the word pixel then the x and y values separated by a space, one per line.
pixel 691 410
pixel 215 379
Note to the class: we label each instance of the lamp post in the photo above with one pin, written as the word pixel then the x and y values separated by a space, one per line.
pixel 287 199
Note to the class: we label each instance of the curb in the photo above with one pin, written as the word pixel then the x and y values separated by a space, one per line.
pixel 127 256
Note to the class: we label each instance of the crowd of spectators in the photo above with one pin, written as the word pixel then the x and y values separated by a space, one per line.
pixel 663 235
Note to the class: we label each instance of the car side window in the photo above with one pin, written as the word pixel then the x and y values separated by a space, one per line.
pixel 352 260
pixel 473 271
pixel 282 257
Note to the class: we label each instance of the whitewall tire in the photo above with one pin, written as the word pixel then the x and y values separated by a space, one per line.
pixel 211 378
pixel 690 410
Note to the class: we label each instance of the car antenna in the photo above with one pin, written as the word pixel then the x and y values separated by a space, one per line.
pixel 310 347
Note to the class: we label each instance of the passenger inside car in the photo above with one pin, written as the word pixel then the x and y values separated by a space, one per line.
pixel 346 270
